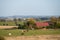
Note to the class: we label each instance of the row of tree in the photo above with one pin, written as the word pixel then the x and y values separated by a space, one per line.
pixel 55 22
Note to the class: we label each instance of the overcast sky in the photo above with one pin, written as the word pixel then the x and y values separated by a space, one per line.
pixel 29 7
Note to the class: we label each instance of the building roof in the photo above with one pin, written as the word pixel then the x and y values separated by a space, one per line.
pixel 42 24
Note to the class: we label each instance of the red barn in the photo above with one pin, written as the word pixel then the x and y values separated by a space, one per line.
pixel 41 24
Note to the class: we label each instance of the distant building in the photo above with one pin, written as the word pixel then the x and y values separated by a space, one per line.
pixel 41 24
pixel 9 19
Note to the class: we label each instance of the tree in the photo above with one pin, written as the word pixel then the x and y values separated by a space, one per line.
pixel 30 23
pixel 54 21
pixel 58 25
pixel 19 19
pixel 15 20
pixel 59 19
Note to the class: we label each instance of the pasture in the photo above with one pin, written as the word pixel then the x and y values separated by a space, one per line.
pixel 10 23
pixel 17 32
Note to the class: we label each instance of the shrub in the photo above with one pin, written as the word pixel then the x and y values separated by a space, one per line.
pixel 2 38
pixel 58 25
pixel 6 24
pixel 49 27
pixel 21 26
pixel 3 24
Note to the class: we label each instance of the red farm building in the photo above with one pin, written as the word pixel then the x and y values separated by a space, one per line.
pixel 41 24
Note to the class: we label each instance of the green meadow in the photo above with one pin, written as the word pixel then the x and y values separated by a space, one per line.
pixel 11 23
pixel 17 32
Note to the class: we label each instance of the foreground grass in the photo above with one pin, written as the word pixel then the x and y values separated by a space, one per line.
pixel 17 32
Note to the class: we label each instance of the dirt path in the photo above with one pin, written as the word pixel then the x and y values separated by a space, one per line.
pixel 5 27
pixel 41 37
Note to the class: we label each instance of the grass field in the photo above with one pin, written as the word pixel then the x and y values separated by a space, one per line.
pixel 11 23
pixel 17 32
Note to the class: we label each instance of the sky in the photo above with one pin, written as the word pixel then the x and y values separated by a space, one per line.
pixel 30 7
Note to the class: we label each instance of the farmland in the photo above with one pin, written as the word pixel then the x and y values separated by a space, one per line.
pixel 11 23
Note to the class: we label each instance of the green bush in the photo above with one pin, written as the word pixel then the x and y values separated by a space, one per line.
pixel 58 25
pixel 21 26
pixel 2 38
pixel 50 27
